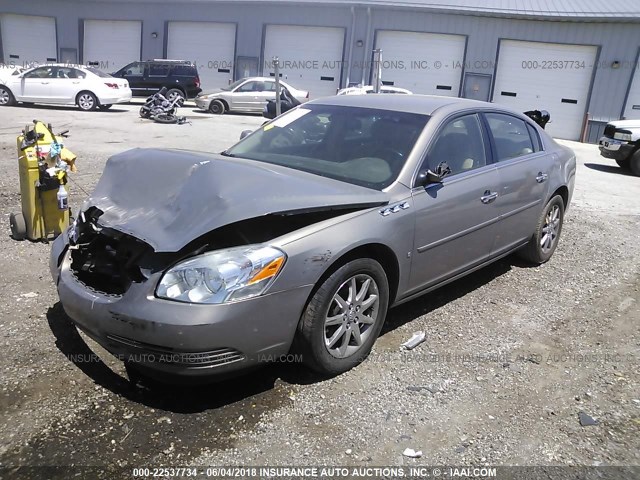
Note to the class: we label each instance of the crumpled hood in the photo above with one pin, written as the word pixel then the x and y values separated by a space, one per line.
pixel 625 123
pixel 169 198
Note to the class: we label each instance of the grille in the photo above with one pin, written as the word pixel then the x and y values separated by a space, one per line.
pixel 609 131
pixel 155 353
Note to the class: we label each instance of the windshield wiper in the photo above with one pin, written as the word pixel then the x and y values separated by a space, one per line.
pixel 226 153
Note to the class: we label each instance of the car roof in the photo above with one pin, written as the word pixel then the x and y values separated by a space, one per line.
pixel 424 104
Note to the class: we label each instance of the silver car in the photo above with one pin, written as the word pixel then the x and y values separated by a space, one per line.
pixel 303 235
pixel 245 95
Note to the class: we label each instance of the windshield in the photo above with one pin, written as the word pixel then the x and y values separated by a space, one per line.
pixel 363 146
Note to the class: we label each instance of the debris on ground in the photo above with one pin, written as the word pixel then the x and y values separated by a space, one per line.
pixel 586 420
pixel 411 453
pixel 415 340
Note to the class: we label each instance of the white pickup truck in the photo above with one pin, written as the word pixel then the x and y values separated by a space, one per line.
pixel 621 142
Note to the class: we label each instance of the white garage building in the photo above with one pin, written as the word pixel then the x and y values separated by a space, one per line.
pixel 578 59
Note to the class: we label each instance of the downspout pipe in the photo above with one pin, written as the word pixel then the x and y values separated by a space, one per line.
pixel 367 54
pixel 351 39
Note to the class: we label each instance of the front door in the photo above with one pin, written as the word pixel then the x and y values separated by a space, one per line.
pixel 456 220
pixel 35 86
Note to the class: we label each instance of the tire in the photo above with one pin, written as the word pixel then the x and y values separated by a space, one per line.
pixel 18 226
pixel 547 234
pixel 634 163
pixel 6 97
pixel 105 107
pixel 165 118
pixel 623 163
pixel 86 101
pixel 171 94
pixel 332 348
pixel 217 107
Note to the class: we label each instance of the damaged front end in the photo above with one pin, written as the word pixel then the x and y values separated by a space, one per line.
pixel 108 261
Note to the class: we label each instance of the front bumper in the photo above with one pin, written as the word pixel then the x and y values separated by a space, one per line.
pixel 177 338
pixel 615 149
pixel 202 103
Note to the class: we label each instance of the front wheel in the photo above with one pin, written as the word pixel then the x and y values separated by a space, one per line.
pixel 343 318
pixel 87 101
pixel 175 92
pixel 217 107
pixel 6 97
pixel 547 234
pixel 165 118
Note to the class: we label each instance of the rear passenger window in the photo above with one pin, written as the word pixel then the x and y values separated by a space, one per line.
pixel 158 70
pixel 510 135
pixel 460 145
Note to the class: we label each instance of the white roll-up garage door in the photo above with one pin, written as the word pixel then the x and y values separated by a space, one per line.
pixel 211 46
pixel 28 39
pixel 427 63
pixel 546 76
pixel 111 44
pixel 632 107
pixel 310 57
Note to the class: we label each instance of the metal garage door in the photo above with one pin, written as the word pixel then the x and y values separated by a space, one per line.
pixel 28 39
pixel 310 57
pixel 111 44
pixel 549 76
pixel 632 107
pixel 426 63
pixel 211 46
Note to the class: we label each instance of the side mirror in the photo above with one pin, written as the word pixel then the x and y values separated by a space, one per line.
pixel 427 177
pixel 245 133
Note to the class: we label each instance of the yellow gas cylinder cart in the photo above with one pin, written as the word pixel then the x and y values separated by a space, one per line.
pixel 43 164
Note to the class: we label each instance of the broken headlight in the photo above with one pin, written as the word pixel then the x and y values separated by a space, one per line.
pixel 222 276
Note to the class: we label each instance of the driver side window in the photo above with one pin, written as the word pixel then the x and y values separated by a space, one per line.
pixel 460 145
pixel 42 72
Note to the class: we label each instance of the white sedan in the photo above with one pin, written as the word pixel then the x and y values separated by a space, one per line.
pixel 64 84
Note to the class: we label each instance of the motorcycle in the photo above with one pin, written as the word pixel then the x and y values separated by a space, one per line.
pixel 287 102
pixel 162 110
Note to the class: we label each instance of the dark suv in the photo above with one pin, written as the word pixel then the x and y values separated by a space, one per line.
pixel 146 78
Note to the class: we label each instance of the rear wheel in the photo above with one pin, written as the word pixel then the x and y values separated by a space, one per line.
pixel 343 318
pixel 634 163
pixel 545 239
pixel 105 107
pixel 217 107
pixel 87 101
pixel 18 226
pixel 6 97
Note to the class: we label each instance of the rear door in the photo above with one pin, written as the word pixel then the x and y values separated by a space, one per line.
pixel 455 220
pixel 66 84
pixel 523 169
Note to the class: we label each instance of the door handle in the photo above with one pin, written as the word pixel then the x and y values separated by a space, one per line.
pixel 541 177
pixel 489 196
pixel 44 83
pixel 75 83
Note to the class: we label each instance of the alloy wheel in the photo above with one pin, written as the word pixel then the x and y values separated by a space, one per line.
pixel 86 101
pixel 4 97
pixel 550 229
pixel 351 316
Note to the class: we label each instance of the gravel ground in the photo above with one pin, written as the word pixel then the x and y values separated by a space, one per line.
pixel 513 354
